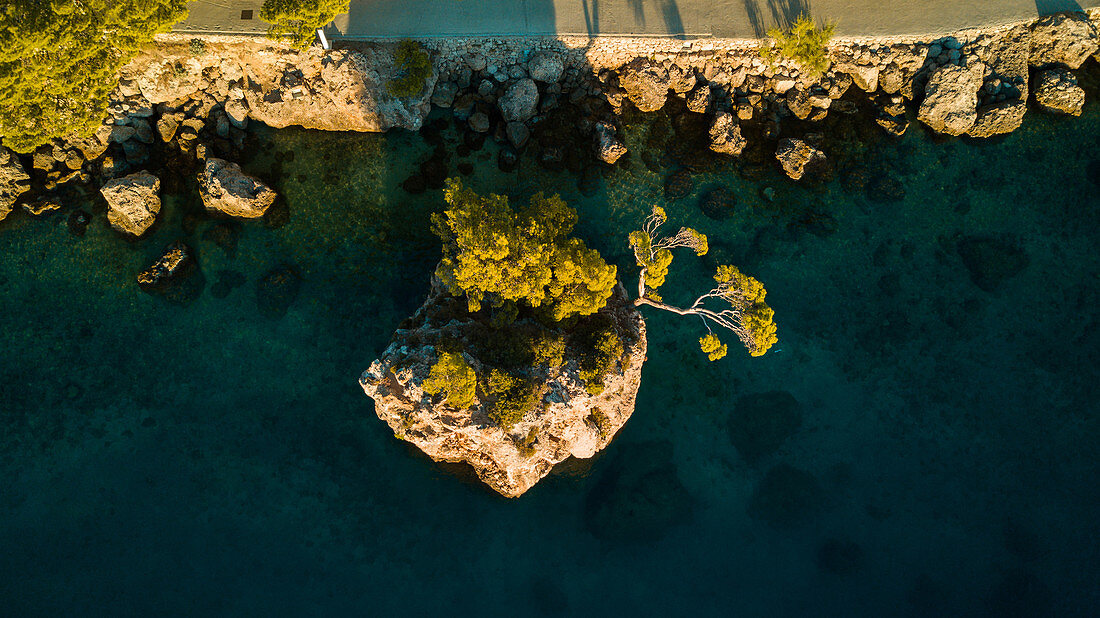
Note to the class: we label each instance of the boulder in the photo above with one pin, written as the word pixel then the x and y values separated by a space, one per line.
pixel 226 189
pixel 1056 91
pixel 237 112
pixel 700 99
pixel 608 147
pixel 725 135
pixel 1006 55
pixel 546 67
pixel 1064 38
pixel 520 101
pixel 567 417
pixel 797 157
pixel 132 202
pixel 14 180
pixel 175 275
pixel 951 98
pixel 517 133
pixel 444 95
pixel 164 81
pixel 998 118
pixel 646 84
pixel 681 80
pixel 798 101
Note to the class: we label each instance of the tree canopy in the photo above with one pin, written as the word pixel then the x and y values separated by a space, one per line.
pixel 495 254
pixel 803 42
pixel 59 61
pixel 298 20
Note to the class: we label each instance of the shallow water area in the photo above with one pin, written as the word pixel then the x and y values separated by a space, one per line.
pixel 922 441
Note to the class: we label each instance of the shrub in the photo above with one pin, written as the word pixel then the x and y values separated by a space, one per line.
pixel 514 396
pixel 197 47
pixel 600 349
pixel 451 374
pixel 414 65
pixel 802 42
pixel 297 21
pixel 602 423
pixel 494 254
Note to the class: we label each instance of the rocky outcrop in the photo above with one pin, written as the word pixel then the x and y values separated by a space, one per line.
pixel 1056 91
pixel 567 420
pixel 133 202
pixel 951 98
pixel 14 181
pixel 797 157
pixel 646 84
pixel 175 275
pixel 725 135
pixel 1002 102
pixel 608 147
pixel 226 189
pixel 520 101
pixel 1064 38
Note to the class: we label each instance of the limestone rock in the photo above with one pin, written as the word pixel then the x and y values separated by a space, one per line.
pixel 546 67
pixel 680 80
pixel 608 147
pixel 175 275
pixel 14 180
pixel 865 77
pixel 567 421
pixel 725 135
pixel 798 101
pixel 1056 91
pixel 999 118
pixel 1063 38
pixel 646 84
pixel 226 189
pixel 520 101
pixel 1006 55
pixel 332 91
pixel 951 98
pixel 237 113
pixel 797 157
pixel 133 202
pixel 444 95
pixel 168 80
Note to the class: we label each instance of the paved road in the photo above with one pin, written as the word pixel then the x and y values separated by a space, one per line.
pixel 722 18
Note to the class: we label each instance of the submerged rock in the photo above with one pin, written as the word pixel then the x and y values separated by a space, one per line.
pixel 718 203
pixel 678 185
pixel 1056 91
pixel 639 497
pixel 786 497
pixel 565 418
pixel 226 189
pixel 951 98
pixel 175 275
pixel 278 289
pixel 798 157
pixel 133 202
pixel 14 180
pixel 991 261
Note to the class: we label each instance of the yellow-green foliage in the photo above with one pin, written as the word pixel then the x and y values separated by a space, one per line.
pixel 414 66
pixel 713 347
pixel 59 62
pixel 600 420
pixel 548 349
pixel 601 349
pixel 757 317
pixel 514 397
pixel 656 263
pixel 297 21
pixel 492 253
pixel 453 375
pixel 802 42
pixel 526 445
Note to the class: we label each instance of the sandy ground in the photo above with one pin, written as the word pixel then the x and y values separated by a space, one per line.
pixel 688 18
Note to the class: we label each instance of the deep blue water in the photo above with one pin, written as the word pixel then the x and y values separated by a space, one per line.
pixel 922 441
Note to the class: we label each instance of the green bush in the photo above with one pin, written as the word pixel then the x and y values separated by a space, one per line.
pixel 59 62
pixel 197 47
pixel 514 397
pixel 414 65
pixel 802 42
pixel 297 21
pixel 600 349
pixel 602 423
pixel 451 374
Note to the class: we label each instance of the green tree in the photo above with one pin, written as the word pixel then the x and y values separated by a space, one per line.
pixel 414 65
pixel 496 255
pixel 59 62
pixel 451 374
pixel 802 42
pixel 744 310
pixel 297 21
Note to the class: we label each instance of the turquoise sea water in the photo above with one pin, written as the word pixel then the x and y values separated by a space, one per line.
pixel 922 441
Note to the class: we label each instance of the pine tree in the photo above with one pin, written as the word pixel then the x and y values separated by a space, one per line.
pixel 298 20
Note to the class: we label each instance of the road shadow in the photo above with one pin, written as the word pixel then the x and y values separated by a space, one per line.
pixel 637 19
pixel 780 14
pixel 1050 7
